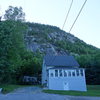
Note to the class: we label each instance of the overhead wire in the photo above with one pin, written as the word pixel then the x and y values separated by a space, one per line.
pixel 74 21
pixel 53 59
pixel 67 14
pixel 77 16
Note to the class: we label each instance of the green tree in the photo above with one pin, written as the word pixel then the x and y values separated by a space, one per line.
pixel 14 13
pixel 11 48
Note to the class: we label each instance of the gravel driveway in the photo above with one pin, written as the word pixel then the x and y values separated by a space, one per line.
pixel 34 93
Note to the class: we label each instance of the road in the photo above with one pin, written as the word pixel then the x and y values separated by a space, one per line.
pixel 34 93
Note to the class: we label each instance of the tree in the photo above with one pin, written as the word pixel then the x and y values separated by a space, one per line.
pixel 14 13
pixel 91 63
pixel 11 48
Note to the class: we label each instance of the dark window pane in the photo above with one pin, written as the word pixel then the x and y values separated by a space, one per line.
pixel 73 73
pixel 81 72
pixel 56 73
pixel 77 72
pixel 60 72
pixel 69 73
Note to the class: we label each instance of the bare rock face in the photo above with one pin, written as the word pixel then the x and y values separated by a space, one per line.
pixel 45 40
pixel 62 36
pixel 41 47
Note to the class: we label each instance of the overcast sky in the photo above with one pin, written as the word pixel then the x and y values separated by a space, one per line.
pixel 53 12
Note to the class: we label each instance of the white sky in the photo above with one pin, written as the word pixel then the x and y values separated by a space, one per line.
pixel 53 12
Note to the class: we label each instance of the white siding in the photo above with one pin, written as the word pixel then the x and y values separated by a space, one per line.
pixel 73 82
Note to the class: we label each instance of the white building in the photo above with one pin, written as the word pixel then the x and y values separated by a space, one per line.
pixel 63 73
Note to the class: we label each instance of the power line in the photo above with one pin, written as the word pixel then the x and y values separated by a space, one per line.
pixel 52 60
pixel 67 14
pixel 78 15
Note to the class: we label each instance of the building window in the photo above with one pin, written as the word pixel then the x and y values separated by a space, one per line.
pixel 65 73
pixel 56 73
pixel 73 73
pixel 77 72
pixel 51 74
pixel 81 72
pixel 60 73
pixel 69 73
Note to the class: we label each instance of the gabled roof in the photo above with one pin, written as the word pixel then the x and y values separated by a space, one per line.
pixel 60 60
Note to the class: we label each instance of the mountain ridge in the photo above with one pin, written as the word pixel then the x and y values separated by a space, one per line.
pixel 51 39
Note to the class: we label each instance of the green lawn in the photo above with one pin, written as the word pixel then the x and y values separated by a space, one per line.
pixel 93 90
pixel 9 88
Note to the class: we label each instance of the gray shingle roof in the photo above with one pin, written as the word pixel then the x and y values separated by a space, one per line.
pixel 61 60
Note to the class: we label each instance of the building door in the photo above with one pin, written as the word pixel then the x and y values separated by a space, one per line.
pixel 66 86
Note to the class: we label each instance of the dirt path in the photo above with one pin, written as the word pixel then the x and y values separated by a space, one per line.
pixel 35 93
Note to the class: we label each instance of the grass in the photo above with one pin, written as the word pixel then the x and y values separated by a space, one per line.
pixel 10 88
pixel 92 90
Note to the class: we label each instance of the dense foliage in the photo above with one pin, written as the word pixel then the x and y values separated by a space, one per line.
pixel 15 60
pixel 92 65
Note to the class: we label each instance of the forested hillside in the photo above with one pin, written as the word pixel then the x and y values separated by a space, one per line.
pixel 15 60
pixel 24 44
pixel 46 37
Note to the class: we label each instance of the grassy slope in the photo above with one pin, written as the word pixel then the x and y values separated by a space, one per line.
pixel 93 90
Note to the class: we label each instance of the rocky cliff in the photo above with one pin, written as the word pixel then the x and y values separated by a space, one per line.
pixel 52 40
